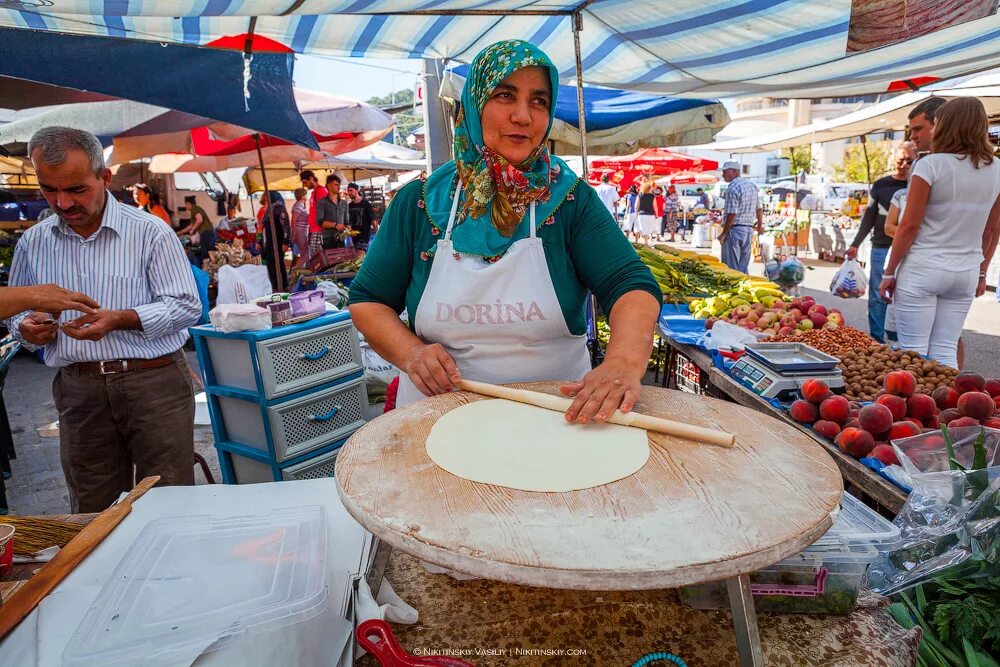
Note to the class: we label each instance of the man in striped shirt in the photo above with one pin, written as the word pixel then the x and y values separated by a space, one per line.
pixel 123 391
pixel 743 214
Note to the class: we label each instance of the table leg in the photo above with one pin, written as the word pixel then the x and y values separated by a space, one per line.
pixel 745 621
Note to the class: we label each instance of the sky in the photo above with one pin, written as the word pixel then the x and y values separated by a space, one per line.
pixel 358 78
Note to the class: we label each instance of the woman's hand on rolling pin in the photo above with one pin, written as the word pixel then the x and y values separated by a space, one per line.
pixel 432 370
pixel 612 385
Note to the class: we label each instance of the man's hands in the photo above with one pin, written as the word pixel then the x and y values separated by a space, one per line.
pixel 851 252
pixel 38 328
pixel 100 323
pixel 432 370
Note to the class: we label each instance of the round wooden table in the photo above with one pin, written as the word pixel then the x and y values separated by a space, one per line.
pixel 694 513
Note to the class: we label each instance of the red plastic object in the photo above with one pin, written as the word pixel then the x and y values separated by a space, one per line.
pixel 732 354
pixel 376 637
pixel 6 548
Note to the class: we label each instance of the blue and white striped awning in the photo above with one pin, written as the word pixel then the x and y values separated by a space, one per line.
pixel 710 48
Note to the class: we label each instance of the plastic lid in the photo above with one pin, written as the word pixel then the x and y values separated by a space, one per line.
pixel 858 524
pixel 197 584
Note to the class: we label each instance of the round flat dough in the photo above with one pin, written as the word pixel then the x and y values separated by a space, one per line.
pixel 533 449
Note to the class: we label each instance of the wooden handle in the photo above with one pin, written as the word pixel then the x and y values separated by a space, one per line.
pixel 560 404
pixel 34 591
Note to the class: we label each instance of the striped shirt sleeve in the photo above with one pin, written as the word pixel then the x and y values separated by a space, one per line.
pixel 175 305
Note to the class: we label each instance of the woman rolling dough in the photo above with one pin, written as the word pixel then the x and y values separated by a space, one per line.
pixel 494 255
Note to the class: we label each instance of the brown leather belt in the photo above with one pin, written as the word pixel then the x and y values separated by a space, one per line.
pixel 118 366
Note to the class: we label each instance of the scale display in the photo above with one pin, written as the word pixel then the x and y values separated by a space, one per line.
pixel 771 383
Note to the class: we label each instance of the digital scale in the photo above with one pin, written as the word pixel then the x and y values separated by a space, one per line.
pixel 777 370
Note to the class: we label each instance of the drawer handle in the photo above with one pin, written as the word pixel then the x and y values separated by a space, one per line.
pixel 315 356
pixel 326 417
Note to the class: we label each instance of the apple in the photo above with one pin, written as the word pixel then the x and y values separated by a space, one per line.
pixel 805 325
pixel 818 308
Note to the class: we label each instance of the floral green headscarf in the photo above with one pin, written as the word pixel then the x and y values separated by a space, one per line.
pixel 496 194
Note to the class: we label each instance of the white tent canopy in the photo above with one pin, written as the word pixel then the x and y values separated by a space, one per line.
pixel 891 114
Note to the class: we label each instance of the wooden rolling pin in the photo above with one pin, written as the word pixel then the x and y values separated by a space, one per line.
pixel 560 404
pixel 28 596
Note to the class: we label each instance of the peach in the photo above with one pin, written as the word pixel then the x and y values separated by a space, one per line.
pixel 948 415
pixel 976 404
pixel 969 381
pixel 901 430
pixel 945 397
pixel 992 387
pixel 920 406
pixel 827 429
pixel 996 402
pixel 884 453
pixel 875 418
pixel 852 423
pixel 901 383
pixel 835 409
pixel 855 441
pixel 804 412
pixel 896 405
pixel 932 422
pixel 992 422
pixel 815 391
pixel 914 420
pixel 963 421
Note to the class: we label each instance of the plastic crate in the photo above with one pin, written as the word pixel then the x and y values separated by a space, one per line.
pixel 285 360
pixel 245 470
pixel 688 376
pixel 294 427
pixel 824 579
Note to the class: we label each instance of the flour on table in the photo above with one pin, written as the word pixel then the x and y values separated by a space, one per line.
pixel 533 449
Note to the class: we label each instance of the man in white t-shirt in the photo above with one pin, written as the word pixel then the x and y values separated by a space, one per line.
pixel 608 194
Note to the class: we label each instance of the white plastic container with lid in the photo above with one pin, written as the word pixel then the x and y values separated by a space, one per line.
pixel 193 582
pixel 824 579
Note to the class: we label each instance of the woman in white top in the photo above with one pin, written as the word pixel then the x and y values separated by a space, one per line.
pixel 947 235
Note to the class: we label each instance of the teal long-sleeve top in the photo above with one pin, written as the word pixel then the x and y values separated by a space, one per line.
pixel 584 249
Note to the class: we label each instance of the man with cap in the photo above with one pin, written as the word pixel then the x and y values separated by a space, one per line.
pixel 361 216
pixel 743 213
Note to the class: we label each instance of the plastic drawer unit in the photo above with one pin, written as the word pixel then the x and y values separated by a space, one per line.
pixel 282 400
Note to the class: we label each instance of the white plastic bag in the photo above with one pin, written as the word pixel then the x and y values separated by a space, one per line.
pixel 230 317
pixel 725 336
pixel 850 280
pixel 242 284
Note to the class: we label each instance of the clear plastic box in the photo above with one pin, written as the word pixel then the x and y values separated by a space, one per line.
pixel 198 584
pixel 824 579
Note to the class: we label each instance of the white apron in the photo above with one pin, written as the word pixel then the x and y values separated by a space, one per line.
pixel 500 322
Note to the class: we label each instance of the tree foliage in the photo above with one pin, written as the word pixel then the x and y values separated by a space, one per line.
pixel 853 168
pixel 406 121
pixel 800 159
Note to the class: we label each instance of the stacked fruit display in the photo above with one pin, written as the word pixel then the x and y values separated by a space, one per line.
pixel 771 314
pixel 899 411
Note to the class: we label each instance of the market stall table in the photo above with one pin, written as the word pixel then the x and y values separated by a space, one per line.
pixel 693 513
pixel 859 478
pixel 862 480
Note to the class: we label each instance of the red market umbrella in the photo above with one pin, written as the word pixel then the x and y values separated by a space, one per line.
pixel 655 161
